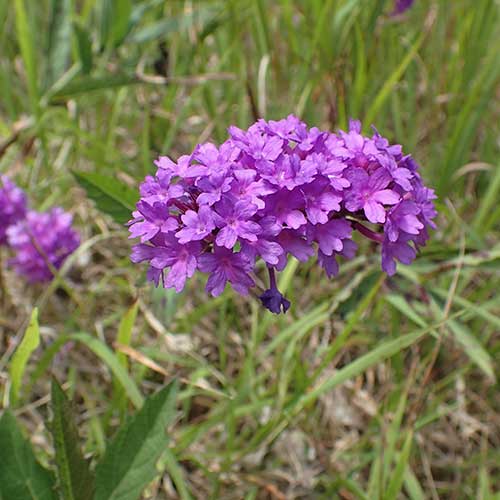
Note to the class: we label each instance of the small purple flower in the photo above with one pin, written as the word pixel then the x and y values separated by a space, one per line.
pixel 223 266
pixel 330 236
pixel 264 246
pixel 197 225
pixel 180 259
pixel 272 298
pixel 329 262
pixel 401 6
pixel 42 242
pixel 149 220
pixel 397 250
pixel 285 206
pixel 295 243
pixel 13 206
pixel 402 217
pixel 246 187
pixel 212 188
pixel 183 168
pixel 333 170
pixel 320 201
pixel 234 221
pixel 368 192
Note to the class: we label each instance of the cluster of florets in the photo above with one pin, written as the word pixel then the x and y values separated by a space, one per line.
pixel 13 206
pixel 41 241
pixel 275 190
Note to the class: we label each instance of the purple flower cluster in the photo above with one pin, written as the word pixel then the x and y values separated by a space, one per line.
pixel 41 240
pixel 13 206
pixel 401 6
pixel 278 189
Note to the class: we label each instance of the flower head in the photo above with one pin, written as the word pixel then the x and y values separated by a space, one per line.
pixel 13 206
pixel 42 242
pixel 279 189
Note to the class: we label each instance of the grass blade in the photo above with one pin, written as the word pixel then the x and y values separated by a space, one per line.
pixel 391 82
pixel 59 46
pixel 27 45
pixel 396 482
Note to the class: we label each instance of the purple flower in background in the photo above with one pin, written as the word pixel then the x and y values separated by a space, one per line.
pixel 13 206
pixel 401 6
pixel 42 242
pixel 274 190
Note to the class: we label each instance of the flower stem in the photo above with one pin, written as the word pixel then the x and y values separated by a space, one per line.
pixel 368 232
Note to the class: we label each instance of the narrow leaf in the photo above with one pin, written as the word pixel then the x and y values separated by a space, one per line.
pixel 397 479
pixel 125 330
pixel 473 348
pixel 128 465
pixel 21 476
pixel 115 21
pixel 84 45
pixel 87 84
pixel 59 46
pixel 29 343
pixel 110 195
pixel 75 479
pixel 391 82
pixel 124 337
pixel 27 45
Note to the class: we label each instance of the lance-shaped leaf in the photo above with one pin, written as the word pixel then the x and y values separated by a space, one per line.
pixel 110 195
pixel 21 476
pixel 75 480
pixel 128 465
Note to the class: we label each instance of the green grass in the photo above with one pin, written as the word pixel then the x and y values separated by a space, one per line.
pixel 369 387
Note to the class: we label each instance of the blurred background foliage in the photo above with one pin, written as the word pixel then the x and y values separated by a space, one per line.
pixel 104 86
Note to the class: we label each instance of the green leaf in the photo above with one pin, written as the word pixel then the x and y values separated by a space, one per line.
pixel 21 476
pixel 115 21
pixel 412 486
pixel 128 465
pixel 161 29
pixel 125 330
pixel 27 46
pixel 109 357
pixel 75 480
pixel 59 46
pixel 473 348
pixel 84 45
pixel 29 343
pixel 124 337
pixel 110 195
pixel 391 82
pixel 87 84
pixel 397 479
